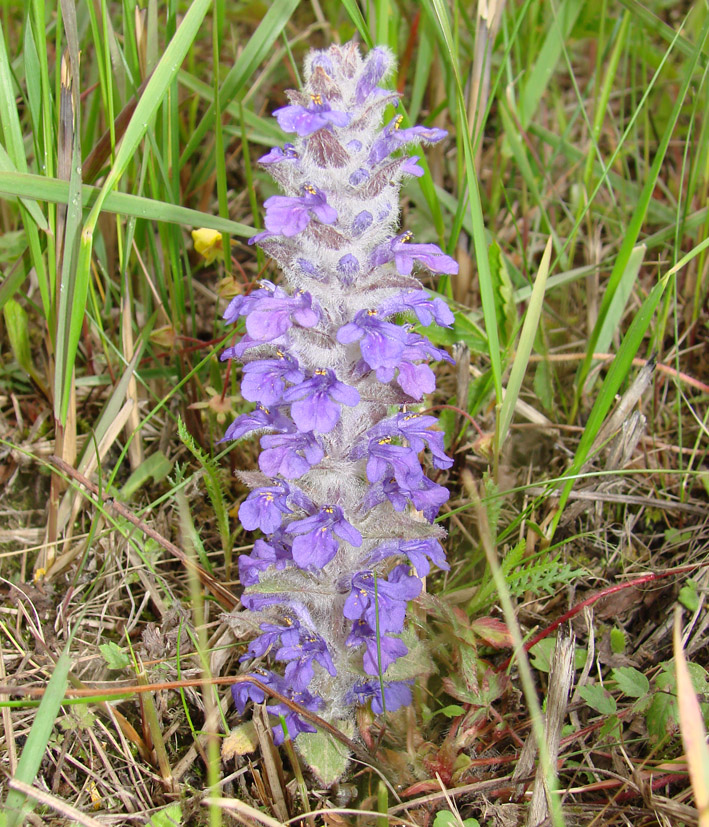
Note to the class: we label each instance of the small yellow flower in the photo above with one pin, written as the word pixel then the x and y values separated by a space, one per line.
pixel 208 243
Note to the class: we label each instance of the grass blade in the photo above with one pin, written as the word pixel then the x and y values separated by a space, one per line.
pixel 256 50
pixel 36 744
pixel 439 14
pixel 616 375
pixel 137 206
pixel 524 347
pixel 631 234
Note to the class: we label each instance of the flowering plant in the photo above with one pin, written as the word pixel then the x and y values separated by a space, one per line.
pixel 341 497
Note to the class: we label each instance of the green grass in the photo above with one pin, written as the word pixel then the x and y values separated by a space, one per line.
pixel 572 189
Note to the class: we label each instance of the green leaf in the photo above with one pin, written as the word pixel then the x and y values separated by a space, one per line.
pixel 524 348
pixel 114 656
pixel 631 682
pixel 688 596
pixel 156 467
pixel 617 373
pixel 633 229
pixel 661 716
pixel 326 757
pixel 135 206
pixel 598 698
pixel 445 818
pixel 256 50
pixel 504 294
pixel 170 816
pixel 617 641
pixel 564 17
pixel 667 679
pixel 451 711
pixel 35 747
pixel 18 333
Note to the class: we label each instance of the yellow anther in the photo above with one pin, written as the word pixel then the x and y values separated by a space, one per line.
pixel 384 441
pixel 407 236
pixel 320 372
pixel 329 509
pixel 317 99
pixel 399 120
pixel 310 189
pixel 371 312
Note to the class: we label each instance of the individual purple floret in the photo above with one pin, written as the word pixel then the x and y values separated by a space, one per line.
pixel 265 380
pixel 396 694
pixel 393 136
pixel 316 401
pixel 334 366
pixel 290 216
pixel 315 544
pixel 373 597
pixel 300 654
pixel 404 253
pixel 290 455
pixel 305 120
pixel 381 343
pixel 257 420
pixel 380 652
pixel 419 553
pixel 427 310
pixel 264 508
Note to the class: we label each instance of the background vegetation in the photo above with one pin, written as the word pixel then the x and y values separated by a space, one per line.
pixel 573 192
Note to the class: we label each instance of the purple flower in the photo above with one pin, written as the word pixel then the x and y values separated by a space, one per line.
pixel 300 654
pixel 414 428
pixel 375 68
pixel 332 604
pixel 240 306
pixel 411 167
pixel 265 380
pixel 274 552
pixel 362 221
pixel 376 658
pixel 427 310
pixel 388 598
pixel 348 267
pixel 259 602
pixel 288 216
pixel 273 635
pixel 315 544
pixel 418 551
pixel 381 343
pixel 385 458
pixel 393 137
pixel 416 379
pixel 396 694
pixel 277 155
pixel 256 420
pixel 264 508
pixel 276 312
pixel 304 121
pixel 294 724
pixel 316 401
pixel 404 253
pixel 426 496
pixel 245 692
pixel 290 455
pixel 359 176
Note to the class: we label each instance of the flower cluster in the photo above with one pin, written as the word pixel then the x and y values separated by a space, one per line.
pixel 341 498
